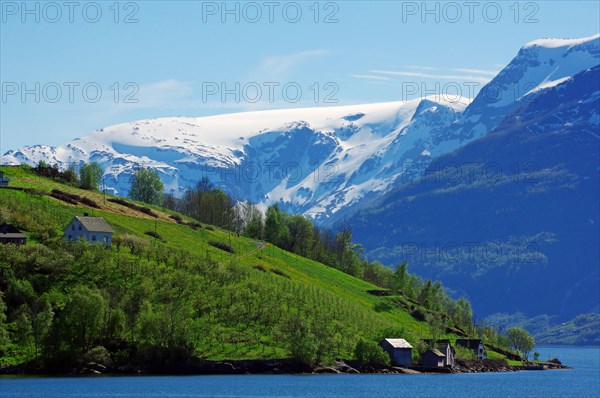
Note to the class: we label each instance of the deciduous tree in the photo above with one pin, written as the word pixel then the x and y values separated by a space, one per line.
pixel 90 175
pixel 147 187
pixel 520 340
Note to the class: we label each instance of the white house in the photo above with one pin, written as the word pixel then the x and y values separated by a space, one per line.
pixel 92 229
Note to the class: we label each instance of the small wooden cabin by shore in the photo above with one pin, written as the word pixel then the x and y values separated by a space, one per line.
pixel 11 234
pixel 445 347
pixel 399 350
pixel 433 358
pixel 92 229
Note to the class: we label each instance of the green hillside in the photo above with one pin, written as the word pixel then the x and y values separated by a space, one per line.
pixel 171 288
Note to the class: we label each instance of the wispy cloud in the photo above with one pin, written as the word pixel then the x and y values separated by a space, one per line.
pixel 277 66
pixel 419 67
pixel 477 71
pixel 473 78
pixel 163 94
pixel 372 77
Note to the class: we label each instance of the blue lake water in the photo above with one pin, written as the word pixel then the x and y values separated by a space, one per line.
pixel 584 381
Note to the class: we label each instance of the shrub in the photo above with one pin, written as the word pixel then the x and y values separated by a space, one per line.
pixel 58 195
pixel 419 349
pixel 383 306
pixel 194 225
pixel 371 353
pixel 280 273
pixel 89 202
pixel 98 355
pixel 52 172
pixel 222 246
pixel 464 353
pixel 133 206
pixel 73 199
pixel 135 244
pixel 259 267
pixel 177 218
pixel 418 315
pixel 154 235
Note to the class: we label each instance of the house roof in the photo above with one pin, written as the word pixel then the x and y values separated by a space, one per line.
pixel 9 231
pixel 398 343
pixel 436 352
pixel 438 343
pixel 94 224
pixel 469 343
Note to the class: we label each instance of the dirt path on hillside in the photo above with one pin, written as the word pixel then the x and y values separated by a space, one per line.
pixel 259 247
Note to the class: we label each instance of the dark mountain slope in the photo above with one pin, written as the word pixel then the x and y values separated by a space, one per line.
pixel 510 219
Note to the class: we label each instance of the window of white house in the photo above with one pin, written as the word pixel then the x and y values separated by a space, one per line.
pixel 80 227
pixel 72 227
pixel 94 238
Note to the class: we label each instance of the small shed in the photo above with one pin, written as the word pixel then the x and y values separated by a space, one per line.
pixel 3 180
pixel 92 229
pixel 475 345
pixel 399 350
pixel 11 234
pixel 433 358
pixel 445 347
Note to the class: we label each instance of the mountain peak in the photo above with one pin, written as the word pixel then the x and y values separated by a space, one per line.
pixel 453 102
pixel 556 43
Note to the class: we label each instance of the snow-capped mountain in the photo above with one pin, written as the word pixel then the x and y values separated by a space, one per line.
pixel 318 161
pixel 312 160
pixel 539 65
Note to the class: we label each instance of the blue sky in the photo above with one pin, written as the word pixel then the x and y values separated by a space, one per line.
pixel 67 70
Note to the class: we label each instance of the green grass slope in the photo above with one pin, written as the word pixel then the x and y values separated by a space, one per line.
pixel 179 292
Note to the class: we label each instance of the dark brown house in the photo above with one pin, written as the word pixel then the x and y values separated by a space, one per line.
pixel 433 358
pixel 10 234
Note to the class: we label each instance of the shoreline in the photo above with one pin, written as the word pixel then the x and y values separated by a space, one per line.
pixel 267 367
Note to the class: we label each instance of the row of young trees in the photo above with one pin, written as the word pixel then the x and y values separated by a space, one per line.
pixel 60 302
pixel 207 204
pixel 87 176
pixel 146 185
pixel 299 235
